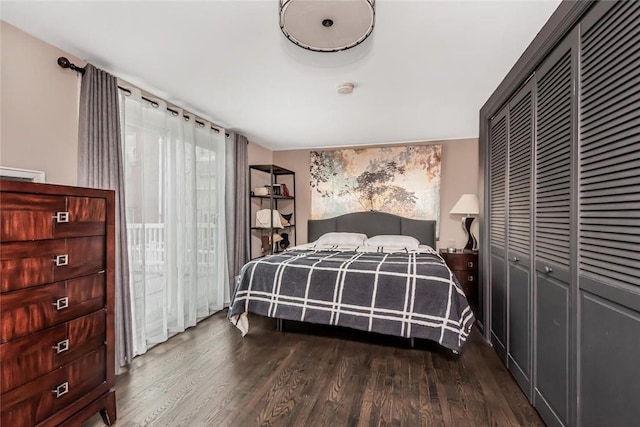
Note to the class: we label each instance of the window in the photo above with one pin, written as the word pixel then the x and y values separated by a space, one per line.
pixel 174 189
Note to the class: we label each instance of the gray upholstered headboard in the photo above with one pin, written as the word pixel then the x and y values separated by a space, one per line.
pixel 374 223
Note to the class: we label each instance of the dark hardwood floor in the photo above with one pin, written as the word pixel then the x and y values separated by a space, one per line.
pixel 211 376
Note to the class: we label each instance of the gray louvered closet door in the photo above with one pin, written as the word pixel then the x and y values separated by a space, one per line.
pixel 497 231
pixel 555 107
pixel 609 216
pixel 520 142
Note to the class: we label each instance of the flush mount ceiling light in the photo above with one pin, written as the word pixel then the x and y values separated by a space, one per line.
pixel 327 25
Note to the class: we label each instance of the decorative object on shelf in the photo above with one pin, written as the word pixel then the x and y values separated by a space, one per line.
pixel 284 243
pixel 327 26
pixel 274 189
pixel 287 217
pixel 285 191
pixel 268 241
pixel 266 245
pixel 261 191
pixel 266 220
pixel 467 205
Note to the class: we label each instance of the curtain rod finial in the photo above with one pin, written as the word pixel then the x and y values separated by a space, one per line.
pixel 65 63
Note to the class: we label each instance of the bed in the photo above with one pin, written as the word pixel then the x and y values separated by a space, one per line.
pixel 369 271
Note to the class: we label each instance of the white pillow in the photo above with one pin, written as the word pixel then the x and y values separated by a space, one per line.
pixel 393 241
pixel 334 238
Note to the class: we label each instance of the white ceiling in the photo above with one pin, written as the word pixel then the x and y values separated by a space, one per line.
pixel 423 74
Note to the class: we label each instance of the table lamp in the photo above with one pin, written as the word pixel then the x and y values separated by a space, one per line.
pixel 468 206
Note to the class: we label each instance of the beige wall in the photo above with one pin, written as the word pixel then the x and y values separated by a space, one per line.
pixel 38 107
pixel 39 130
pixel 459 175
pixel 258 155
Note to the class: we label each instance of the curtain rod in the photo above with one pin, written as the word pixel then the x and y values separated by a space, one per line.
pixel 65 63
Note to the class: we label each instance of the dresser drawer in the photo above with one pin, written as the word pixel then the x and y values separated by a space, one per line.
pixel 460 261
pixel 26 264
pixel 37 217
pixel 30 310
pixel 468 279
pixel 26 358
pixel 35 401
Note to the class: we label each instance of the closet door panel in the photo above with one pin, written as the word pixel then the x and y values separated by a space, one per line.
pixel 552 349
pixel 519 184
pixel 609 215
pixel 499 306
pixel 520 325
pixel 556 123
pixel 609 362
pixel 497 231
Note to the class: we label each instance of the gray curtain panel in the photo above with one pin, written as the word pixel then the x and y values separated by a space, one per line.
pixel 237 200
pixel 100 165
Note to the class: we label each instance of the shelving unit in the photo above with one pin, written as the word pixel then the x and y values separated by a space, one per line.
pixel 270 175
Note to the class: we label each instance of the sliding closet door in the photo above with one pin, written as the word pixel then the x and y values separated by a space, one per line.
pixel 520 142
pixel 609 216
pixel 555 138
pixel 497 231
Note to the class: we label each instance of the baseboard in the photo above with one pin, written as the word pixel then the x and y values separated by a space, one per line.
pixel 548 415
pixel 521 377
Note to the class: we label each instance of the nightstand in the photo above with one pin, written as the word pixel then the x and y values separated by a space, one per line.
pixel 464 264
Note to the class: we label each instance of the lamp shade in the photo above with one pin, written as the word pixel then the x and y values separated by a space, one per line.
pixel 327 26
pixel 467 205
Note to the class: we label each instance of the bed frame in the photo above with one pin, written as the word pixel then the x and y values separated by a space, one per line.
pixel 373 223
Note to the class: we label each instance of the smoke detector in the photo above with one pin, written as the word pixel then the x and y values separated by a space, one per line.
pixel 345 88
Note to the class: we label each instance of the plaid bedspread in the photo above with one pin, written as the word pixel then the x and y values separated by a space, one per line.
pixel 411 294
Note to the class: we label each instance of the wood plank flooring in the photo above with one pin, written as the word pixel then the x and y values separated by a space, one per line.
pixel 211 376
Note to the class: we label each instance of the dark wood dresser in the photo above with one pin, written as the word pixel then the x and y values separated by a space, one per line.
pixel 56 304
pixel 464 264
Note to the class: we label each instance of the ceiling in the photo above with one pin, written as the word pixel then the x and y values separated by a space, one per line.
pixel 422 75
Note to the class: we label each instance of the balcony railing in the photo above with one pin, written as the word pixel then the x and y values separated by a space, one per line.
pixel 147 246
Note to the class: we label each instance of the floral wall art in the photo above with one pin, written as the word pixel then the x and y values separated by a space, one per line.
pixel 403 181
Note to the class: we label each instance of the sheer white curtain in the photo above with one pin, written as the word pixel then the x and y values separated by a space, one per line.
pixel 174 185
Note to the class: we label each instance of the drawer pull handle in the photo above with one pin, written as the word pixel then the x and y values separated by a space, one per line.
pixel 61 303
pixel 516 259
pixel 62 346
pixel 470 278
pixel 548 269
pixel 470 264
pixel 61 260
pixel 61 390
pixel 61 217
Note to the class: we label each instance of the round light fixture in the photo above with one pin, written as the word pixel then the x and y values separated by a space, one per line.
pixel 327 26
pixel 345 88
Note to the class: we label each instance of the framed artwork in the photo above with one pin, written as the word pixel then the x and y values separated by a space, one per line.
pixel 403 180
